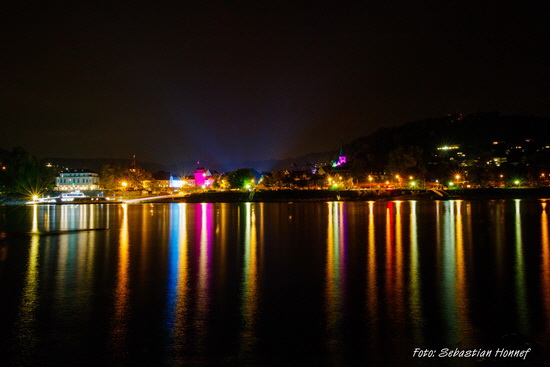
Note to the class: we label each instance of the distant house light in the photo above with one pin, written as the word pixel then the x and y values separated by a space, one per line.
pixel 448 147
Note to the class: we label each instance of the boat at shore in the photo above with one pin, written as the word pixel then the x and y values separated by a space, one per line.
pixel 47 200
pixel 73 197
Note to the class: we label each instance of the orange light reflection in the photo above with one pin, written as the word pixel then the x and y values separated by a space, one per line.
pixel 545 264
pixel 372 302
pixel 120 317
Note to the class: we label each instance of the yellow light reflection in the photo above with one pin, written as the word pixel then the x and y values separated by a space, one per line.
pixel 120 318
pixel 47 217
pixel 250 281
pixel 414 285
pixel 82 215
pixel 372 302
pixel 335 279
pixel 395 291
pixel 183 275
pixel 389 256
pixel 64 218
pixel 26 326
pixel 146 235
pixel 438 228
pixel 34 228
pixel 399 288
pixel 63 258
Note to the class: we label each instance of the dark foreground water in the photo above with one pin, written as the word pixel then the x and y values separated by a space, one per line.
pixel 278 284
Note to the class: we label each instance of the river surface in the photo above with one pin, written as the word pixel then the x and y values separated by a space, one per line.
pixel 274 284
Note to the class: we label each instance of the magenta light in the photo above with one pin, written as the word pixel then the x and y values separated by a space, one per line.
pixel 200 177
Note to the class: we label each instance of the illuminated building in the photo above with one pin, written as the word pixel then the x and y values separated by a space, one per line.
pixel 175 182
pixel 77 179
pixel 341 158
pixel 163 182
pixel 203 177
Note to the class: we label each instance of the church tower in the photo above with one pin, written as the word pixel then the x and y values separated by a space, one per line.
pixel 341 158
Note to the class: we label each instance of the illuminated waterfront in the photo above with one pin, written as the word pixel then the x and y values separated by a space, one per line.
pixel 271 283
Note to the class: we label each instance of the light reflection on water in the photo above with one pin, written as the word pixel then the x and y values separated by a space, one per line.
pixel 203 222
pixel 372 284
pixel 26 332
pixel 545 261
pixel 178 281
pixel 194 283
pixel 521 291
pixel 414 283
pixel 335 278
pixel 250 286
pixel 119 328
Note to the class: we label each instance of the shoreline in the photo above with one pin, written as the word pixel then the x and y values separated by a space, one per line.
pixel 363 195
pixel 268 196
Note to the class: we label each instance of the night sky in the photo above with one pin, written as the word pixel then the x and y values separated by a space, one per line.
pixel 222 82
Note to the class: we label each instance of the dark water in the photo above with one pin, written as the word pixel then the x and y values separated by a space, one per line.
pixel 277 284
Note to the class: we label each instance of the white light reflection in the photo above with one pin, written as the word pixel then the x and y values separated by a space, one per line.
pixel 249 284
pixel 178 279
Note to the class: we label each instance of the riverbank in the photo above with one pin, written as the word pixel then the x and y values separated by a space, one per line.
pixel 287 196
pixel 359 195
pixel 502 193
pixel 330 195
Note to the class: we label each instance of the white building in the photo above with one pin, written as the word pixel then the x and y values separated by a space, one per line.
pixel 77 179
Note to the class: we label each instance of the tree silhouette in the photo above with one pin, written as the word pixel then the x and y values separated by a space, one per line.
pixel 25 175
pixel 239 178
pixel 407 161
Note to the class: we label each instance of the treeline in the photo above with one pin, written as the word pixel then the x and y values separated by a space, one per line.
pixel 133 176
pixel 411 149
pixel 23 174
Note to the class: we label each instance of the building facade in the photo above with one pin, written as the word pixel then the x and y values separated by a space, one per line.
pixel 76 179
